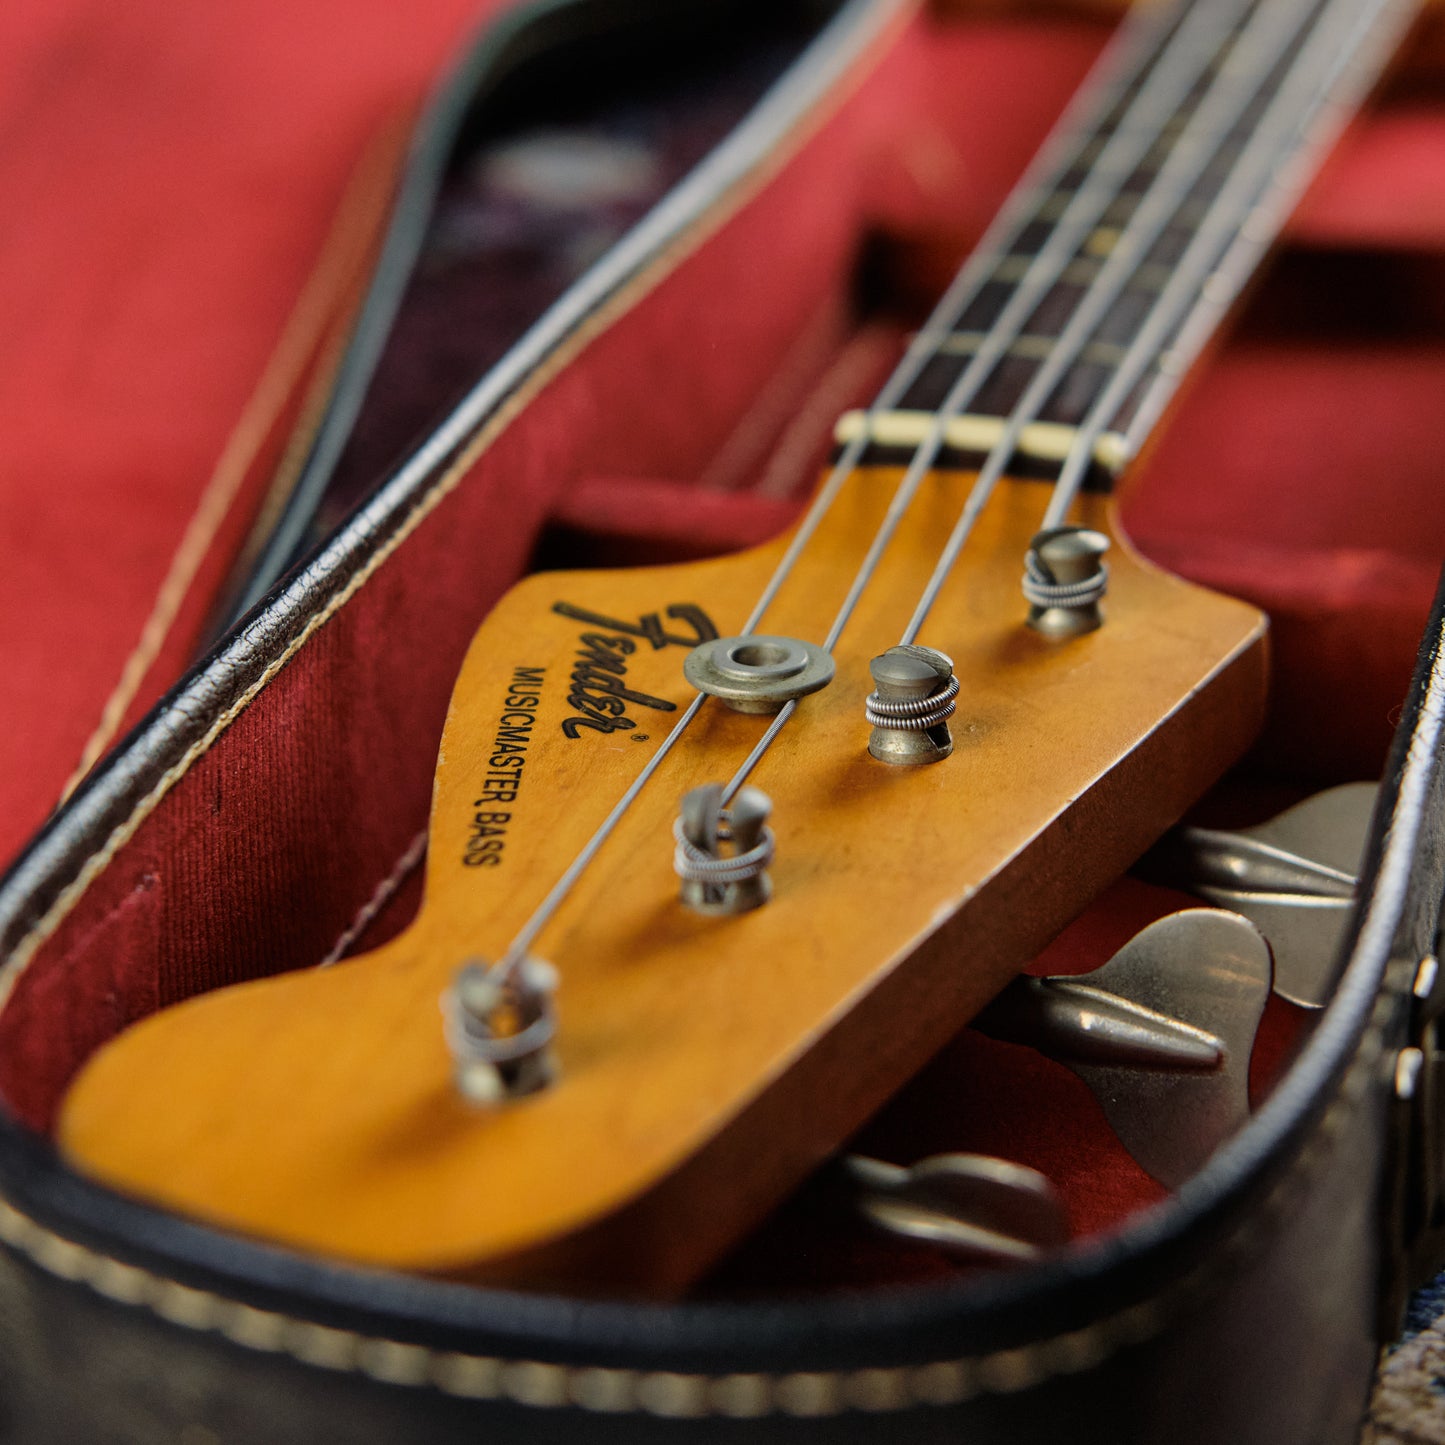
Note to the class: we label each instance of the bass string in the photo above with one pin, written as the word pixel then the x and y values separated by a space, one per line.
pixel 1254 55
pixel 1193 49
pixel 1116 73
pixel 1263 42
pixel 1371 35
pixel 1146 42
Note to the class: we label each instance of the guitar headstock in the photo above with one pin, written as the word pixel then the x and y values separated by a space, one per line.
pixel 704 1063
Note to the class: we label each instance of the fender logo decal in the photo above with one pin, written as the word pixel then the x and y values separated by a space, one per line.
pixel 600 695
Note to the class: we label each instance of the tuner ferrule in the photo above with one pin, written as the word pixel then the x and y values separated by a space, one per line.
pixel 757 673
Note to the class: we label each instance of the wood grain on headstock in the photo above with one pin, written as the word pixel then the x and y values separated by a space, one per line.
pixel 706 1064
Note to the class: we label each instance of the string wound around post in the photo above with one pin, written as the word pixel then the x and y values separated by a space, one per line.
pixel 717 882
pixel 1065 578
pixel 915 694
pixel 499 1022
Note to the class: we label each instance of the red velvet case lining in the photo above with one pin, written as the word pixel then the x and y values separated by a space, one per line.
pixel 168 177
pixel 264 853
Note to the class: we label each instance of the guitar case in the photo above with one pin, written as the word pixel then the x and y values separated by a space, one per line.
pixel 780 186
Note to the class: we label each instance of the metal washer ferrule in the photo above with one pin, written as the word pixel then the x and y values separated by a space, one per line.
pixel 758 673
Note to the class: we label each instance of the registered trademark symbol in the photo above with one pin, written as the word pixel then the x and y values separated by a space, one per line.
pixel 639 737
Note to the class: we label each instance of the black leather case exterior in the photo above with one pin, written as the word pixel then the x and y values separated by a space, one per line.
pixel 1245 1310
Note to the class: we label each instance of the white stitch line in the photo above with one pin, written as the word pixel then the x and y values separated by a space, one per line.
pixel 483 1377
pixel 301 341
pixel 662 265
pixel 405 866
pixel 598 1389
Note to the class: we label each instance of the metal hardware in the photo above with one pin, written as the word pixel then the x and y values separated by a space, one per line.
pixel 756 673
pixel 1425 976
pixel 499 1027
pixel 916 693
pixel 714 882
pixel 1414 1209
pixel 1293 876
pixel 982 1209
pixel 1065 577
pixel 1162 1034
pixel 1408 1064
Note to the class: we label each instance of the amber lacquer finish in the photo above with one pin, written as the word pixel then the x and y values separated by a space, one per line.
pixel 706 1064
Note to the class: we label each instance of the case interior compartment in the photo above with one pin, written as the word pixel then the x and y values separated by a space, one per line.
pixel 1301 471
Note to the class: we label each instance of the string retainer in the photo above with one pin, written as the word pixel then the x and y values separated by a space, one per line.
pixel 499 1022
pixel 713 881
pixel 915 695
pixel 757 673
pixel 1065 578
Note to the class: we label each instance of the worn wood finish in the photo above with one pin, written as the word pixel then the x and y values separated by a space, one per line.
pixel 706 1064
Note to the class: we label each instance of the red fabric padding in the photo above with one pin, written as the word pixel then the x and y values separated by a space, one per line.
pixel 1304 476
pixel 168 174
pixel 315 792
pixel 1308 480
pixel 1384 186
pixel 651 521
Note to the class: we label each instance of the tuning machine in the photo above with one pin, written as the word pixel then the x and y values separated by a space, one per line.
pixel 1162 1034
pixel 1293 876
pixel 978 1208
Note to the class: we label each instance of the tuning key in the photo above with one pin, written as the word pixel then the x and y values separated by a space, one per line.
pixel 1294 877
pixel 1162 1034
pixel 982 1209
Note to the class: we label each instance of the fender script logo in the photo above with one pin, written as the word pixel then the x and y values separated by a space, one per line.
pixel 599 693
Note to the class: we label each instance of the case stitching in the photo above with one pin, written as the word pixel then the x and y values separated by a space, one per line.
pixel 308 320
pixel 606 1390
pixel 381 895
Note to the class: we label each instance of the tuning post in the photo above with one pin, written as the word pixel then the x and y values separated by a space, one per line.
pixel 722 854
pixel 499 1024
pixel 1065 578
pixel 915 695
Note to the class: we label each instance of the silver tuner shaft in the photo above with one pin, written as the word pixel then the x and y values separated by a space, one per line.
pixel 722 854
pixel 1293 877
pixel 757 673
pixel 499 1023
pixel 978 1208
pixel 1065 578
pixel 1162 1034
pixel 915 693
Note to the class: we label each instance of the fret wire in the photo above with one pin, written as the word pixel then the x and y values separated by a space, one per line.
pixel 1134 50
pixel 1115 74
pixel 1188 55
pixel 1250 210
pixel 1251 61
pixel 1035 347
pixel 1356 76
pixel 1184 59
